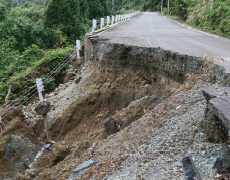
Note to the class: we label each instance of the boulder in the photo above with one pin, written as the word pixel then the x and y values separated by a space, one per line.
pixel 134 111
pixel 111 126
pixel 60 151
pixel 81 148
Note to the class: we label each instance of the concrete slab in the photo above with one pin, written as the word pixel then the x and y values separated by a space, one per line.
pixel 221 108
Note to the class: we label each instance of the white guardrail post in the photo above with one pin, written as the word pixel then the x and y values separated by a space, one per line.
pixel 94 24
pixel 40 88
pixel 114 19
pixel 108 20
pixel 78 45
pixel 102 22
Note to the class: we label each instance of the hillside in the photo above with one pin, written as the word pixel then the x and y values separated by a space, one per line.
pixel 117 112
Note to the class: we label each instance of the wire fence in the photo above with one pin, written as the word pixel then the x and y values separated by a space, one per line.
pixel 32 91
pixel 17 103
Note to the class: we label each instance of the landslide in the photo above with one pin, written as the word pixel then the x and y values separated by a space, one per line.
pixel 80 110
pixel 114 91
pixel 117 87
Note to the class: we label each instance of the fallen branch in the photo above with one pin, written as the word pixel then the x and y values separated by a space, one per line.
pixel 8 94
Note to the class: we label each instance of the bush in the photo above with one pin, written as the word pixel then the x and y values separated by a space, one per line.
pixel 213 16
pixel 179 8
pixel 22 80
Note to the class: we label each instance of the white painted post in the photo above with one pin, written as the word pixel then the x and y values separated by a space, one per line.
pixel 78 45
pixel 40 88
pixel 94 24
pixel 112 20
pixel 108 20
pixel 102 22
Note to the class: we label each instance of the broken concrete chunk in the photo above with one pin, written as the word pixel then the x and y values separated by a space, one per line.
pixel 218 165
pixel 221 108
pixel 38 152
pixel 84 165
pixel 212 92
pixel 190 169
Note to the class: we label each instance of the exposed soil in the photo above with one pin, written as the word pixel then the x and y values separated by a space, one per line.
pixel 79 112
pixel 133 122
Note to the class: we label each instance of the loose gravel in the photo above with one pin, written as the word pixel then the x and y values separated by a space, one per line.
pixel 153 146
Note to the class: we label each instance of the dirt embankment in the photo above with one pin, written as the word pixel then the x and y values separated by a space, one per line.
pixel 119 86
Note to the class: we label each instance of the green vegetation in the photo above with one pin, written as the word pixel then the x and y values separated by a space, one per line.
pixel 37 34
pixel 93 87
pixel 22 80
pixel 30 12
pixel 211 15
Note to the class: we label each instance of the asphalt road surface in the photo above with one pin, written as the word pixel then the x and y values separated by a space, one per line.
pixel 154 30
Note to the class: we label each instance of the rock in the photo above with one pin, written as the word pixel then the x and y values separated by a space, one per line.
pixel 127 173
pixel 111 126
pixel 60 151
pixel 43 108
pixel 61 86
pixel 218 165
pixel 18 176
pixel 220 107
pixel 31 172
pixel 113 86
pixel 38 125
pixel 155 175
pixel 78 80
pixel 84 165
pixel 212 92
pixel 16 151
pixel 38 152
pixel 79 61
pixel 152 156
pixel 134 111
pixel 31 158
pixel 68 77
pixel 72 78
pixel 190 169
pixel 82 147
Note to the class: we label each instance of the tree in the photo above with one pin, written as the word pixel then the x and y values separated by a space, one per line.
pixel 64 15
pixel 2 12
pixel 9 4
pixel 96 10
pixel 84 10
pixel 179 8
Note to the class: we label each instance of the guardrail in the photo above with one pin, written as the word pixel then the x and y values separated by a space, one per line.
pixel 113 20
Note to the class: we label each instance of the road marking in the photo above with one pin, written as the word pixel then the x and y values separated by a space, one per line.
pixel 194 29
